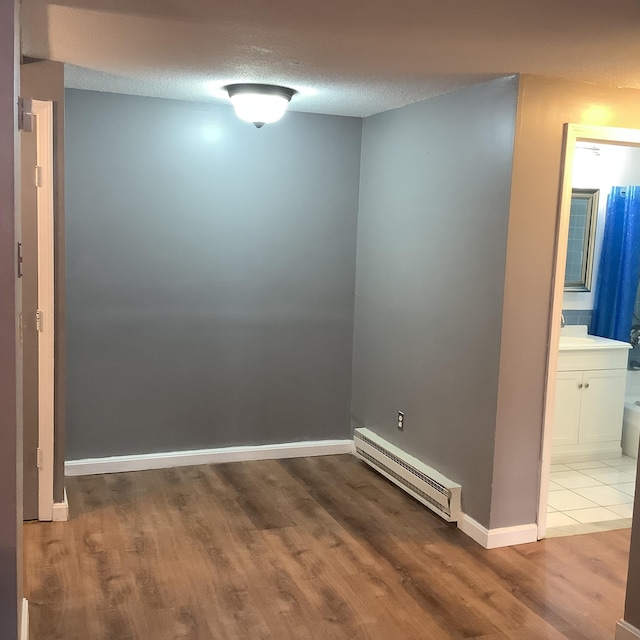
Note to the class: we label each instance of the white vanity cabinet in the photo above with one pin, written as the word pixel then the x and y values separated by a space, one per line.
pixel 590 391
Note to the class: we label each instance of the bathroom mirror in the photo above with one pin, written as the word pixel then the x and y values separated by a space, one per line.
pixel 582 233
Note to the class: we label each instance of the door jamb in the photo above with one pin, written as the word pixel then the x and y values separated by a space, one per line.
pixel 572 134
pixel 43 112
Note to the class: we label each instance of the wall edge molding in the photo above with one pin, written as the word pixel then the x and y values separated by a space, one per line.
pixel 499 537
pixel 167 459
pixel 626 631
pixel 24 621
pixel 60 512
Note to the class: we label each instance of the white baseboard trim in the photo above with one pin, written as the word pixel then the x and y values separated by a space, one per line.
pixel 145 461
pixel 501 537
pixel 626 631
pixel 61 509
pixel 24 620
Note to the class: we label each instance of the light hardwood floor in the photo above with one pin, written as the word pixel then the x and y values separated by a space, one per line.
pixel 313 548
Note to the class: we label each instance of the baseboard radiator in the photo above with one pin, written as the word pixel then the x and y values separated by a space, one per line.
pixel 416 478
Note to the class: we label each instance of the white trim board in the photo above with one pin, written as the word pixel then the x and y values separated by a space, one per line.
pixel 24 621
pixel 626 631
pixel 43 112
pixel 500 537
pixel 61 509
pixel 145 461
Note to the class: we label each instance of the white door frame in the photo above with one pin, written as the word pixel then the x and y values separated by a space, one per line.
pixel 43 113
pixel 573 134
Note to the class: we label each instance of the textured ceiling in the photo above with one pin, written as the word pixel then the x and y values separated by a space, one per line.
pixel 343 57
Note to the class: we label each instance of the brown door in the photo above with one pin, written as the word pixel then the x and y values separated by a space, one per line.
pixel 29 332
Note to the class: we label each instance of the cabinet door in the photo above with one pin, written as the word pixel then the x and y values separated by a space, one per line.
pixel 602 408
pixel 567 414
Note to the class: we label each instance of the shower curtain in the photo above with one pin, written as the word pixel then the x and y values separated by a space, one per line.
pixel 619 272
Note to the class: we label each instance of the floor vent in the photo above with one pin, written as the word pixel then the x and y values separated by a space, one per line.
pixel 416 478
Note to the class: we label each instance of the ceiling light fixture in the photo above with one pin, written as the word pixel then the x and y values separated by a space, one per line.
pixel 259 104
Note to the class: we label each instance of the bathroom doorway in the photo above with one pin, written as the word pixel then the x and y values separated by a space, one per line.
pixel 578 491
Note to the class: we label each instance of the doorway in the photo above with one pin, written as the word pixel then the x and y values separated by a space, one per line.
pixel 577 137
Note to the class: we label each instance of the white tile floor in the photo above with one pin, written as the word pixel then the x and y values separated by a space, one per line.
pixel 584 495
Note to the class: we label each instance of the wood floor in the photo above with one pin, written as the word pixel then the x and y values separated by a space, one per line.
pixel 304 549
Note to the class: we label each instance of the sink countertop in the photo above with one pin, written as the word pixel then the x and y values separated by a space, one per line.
pixel 575 337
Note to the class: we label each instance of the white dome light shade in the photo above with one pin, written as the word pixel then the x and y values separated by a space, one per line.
pixel 259 103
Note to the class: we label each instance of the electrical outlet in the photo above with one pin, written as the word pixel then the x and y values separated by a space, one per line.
pixel 400 420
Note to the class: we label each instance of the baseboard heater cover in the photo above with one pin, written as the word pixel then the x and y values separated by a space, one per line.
pixel 419 480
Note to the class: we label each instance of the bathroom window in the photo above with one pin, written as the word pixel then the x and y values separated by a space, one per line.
pixel 582 233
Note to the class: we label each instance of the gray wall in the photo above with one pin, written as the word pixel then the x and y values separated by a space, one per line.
pixel 10 371
pixel 432 232
pixel 44 80
pixel 210 276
